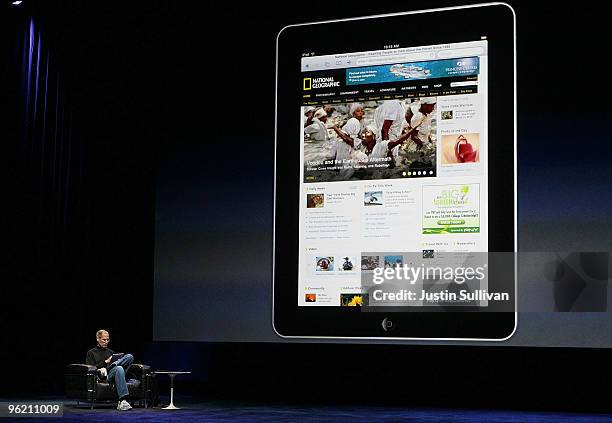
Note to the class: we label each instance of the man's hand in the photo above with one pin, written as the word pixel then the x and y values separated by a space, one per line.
pixel 108 359
pixel 406 129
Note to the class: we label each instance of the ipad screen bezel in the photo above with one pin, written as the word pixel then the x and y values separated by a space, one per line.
pixel 496 23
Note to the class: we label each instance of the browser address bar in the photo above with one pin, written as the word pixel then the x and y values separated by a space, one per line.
pixel 396 58
pixel 411 57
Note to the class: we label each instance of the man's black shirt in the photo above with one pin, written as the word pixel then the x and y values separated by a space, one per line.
pixel 97 355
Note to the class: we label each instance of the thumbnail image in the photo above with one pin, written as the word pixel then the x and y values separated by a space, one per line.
pixel 353 300
pixel 354 141
pixel 428 254
pixel 369 262
pixel 462 148
pixel 393 261
pixel 347 264
pixel 315 200
pixel 373 198
pixel 447 114
pixel 311 298
pixel 325 264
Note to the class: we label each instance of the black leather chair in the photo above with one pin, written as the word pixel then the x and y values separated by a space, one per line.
pixel 84 384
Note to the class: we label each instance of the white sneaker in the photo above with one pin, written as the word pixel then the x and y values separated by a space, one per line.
pixel 123 405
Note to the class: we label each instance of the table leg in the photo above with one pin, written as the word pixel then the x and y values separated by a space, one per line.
pixel 171 406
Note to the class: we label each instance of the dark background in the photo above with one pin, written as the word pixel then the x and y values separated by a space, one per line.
pixel 134 90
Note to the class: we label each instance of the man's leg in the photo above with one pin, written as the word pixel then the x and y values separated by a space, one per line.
pixel 125 361
pixel 116 375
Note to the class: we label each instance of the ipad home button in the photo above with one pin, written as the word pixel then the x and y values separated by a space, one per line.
pixel 387 324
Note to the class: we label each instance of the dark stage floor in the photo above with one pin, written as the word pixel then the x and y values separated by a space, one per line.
pixel 224 411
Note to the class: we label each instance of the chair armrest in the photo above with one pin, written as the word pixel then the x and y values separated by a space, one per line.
pixel 139 370
pixel 81 381
pixel 80 369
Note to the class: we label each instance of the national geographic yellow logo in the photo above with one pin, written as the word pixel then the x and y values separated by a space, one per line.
pixel 323 82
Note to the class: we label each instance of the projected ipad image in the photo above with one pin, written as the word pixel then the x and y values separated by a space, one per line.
pixel 393 261
pixel 370 140
pixel 372 149
pixel 460 148
pixel 314 201
pixel 373 198
pixel 353 300
pixel 325 264
pixel 364 123
pixel 370 262
pixel 348 264
pixel 310 298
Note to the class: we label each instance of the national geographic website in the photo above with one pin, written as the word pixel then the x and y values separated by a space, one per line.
pixel 393 171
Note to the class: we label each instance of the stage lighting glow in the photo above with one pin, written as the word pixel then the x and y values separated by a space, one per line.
pixel 17 2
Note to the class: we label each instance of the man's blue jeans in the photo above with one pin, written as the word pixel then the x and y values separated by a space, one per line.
pixel 116 375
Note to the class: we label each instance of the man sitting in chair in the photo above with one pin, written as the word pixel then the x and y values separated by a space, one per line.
pixel 101 356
